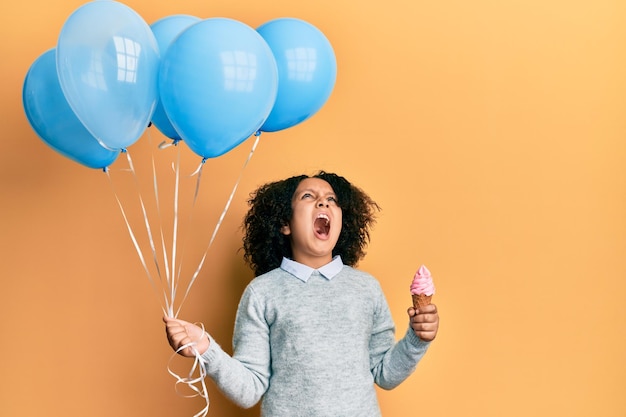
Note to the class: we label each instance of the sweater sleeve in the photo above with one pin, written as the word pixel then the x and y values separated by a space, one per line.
pixel 391 363
pixel 244 377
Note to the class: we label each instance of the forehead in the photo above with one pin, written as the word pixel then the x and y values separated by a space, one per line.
pixel 314 184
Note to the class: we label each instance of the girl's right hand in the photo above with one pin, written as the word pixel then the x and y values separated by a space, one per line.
pixel 181 333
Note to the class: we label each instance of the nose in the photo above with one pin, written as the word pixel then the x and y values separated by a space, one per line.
pixel 321 204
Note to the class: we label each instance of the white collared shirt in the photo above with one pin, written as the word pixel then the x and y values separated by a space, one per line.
pixel 303 272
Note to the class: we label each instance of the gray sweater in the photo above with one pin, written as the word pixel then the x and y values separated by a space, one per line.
pixel 315 348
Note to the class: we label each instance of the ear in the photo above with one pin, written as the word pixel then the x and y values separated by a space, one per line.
pixel 285 230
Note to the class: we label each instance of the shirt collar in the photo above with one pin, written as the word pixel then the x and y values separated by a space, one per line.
pixel 303 272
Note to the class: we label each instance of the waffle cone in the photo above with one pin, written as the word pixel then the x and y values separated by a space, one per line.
pixel 421 300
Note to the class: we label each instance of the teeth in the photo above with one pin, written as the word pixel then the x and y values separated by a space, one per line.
pixel 323 216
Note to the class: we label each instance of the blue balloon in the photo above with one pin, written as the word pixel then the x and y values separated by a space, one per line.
pixel 107 62
pixel 52 118
pixel 307 70
pixel 218 82
pixel 165 31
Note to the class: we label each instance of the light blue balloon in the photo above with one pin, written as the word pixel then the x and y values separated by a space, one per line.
pixel 165 31
pixel 107 61
pixel 52 118
pixel 307 70
pixel 218 82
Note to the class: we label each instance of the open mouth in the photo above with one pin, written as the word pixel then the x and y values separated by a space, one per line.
pixel 322 225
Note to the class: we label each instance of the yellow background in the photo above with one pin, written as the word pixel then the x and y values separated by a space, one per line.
pixel 493 135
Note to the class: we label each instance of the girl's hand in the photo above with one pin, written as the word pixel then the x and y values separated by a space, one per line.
pixel 180 333
pixel 424 322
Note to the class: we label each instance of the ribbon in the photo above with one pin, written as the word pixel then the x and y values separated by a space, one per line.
pixel 221 218
pixel 191 380
pixel 170 275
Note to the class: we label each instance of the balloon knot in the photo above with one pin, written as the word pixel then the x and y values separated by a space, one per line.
pixel 204 160
pixel 123 150
pixel 257 133
pixel 175 142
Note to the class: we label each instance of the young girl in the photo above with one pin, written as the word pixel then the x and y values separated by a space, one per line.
pixel 312 334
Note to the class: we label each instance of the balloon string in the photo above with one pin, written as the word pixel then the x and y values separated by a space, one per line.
pixel 133 238
pixel 190 380
pixel 190 222
pixel 174 282
pixel 219 222
pixel 159 217
pixel 168 304
pixel 199 364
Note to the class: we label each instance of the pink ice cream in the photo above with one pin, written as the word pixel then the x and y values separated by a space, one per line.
pixel 422 282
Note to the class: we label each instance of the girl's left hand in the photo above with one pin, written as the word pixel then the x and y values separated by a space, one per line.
pixel 424 322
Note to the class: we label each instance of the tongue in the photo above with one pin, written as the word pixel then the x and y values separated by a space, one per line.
pixel 321 227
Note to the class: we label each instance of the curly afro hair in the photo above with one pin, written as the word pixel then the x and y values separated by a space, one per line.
pixel 270 209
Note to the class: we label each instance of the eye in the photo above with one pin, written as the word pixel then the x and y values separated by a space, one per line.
pixel 332 199
pixel 307 195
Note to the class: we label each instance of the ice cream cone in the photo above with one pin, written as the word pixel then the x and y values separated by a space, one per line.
pixel 421 300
